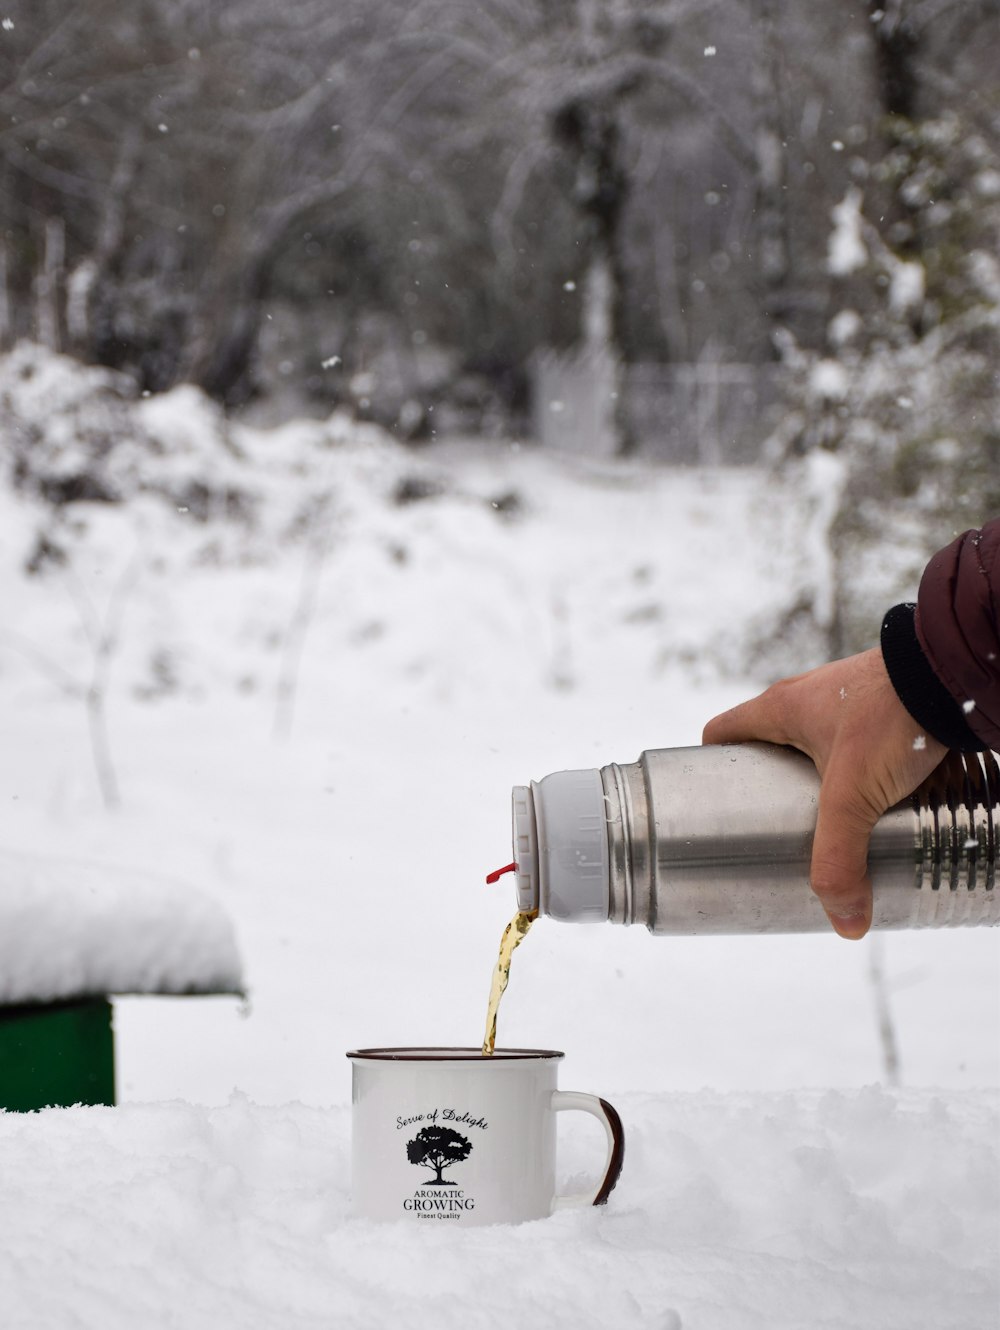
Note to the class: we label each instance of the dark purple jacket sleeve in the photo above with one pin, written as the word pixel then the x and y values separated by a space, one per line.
pixel 943 654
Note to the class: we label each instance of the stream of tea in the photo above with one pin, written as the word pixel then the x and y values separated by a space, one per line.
pixel 512 935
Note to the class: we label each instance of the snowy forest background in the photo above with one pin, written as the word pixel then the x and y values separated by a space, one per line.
pixel 393 208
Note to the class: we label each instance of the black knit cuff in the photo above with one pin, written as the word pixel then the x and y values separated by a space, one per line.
pixel 918 687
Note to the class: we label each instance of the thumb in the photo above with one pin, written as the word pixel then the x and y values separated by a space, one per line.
pixel 839 870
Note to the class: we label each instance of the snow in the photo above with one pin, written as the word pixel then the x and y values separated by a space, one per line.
pixel 70 929
pixel 846 251
pixel 829 380
pixel 325 676
pixel 845 325
pixel 736 1211
pixel 907 285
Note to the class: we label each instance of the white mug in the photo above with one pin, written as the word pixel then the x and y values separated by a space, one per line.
pixel 448 1134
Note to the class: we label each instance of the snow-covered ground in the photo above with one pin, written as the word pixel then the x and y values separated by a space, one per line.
pixel 737 1211
pixel 317 675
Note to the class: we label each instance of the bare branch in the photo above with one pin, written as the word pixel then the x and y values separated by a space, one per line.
pixel 316 550
pixel 45 665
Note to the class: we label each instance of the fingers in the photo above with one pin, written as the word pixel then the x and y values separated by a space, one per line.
pixel 839 870
pixel 847 718
pixel 750 721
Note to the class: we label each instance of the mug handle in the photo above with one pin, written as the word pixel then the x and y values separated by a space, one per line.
pixel 612 1123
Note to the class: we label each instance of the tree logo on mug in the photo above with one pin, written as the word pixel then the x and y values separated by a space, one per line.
pixel 438 1148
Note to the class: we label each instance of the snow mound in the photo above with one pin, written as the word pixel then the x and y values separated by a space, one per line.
pixel 70 929
pixel 738 1212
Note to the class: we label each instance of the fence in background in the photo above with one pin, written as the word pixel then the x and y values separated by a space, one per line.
pixel 575 397
pixel 703 414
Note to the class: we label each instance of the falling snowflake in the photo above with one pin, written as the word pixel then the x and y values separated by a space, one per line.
pixel 919 743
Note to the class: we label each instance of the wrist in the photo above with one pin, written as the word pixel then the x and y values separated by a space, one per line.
pixel 917 686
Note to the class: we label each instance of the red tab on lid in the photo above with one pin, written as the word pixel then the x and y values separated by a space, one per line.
pixel 499 872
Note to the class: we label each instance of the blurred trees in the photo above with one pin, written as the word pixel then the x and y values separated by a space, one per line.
pixel 409 176
pixel 904 389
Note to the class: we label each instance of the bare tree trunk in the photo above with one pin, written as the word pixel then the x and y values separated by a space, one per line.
pixel 221 351
pixel 48 282
pixel 896 43
pixel 670 303
pixel 5 312
pixel 588 131
pixel 103 632
pixel 888 1043
pixel 771 208
pixel 317 548
pixel 87 278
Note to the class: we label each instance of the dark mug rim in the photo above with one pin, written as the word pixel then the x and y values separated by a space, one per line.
pixel 416 1053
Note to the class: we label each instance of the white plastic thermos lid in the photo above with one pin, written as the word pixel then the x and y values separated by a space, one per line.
pixel 561 846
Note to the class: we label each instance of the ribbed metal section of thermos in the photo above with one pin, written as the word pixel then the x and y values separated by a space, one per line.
pixel 717 839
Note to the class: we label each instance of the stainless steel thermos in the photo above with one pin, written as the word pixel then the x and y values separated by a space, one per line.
pixel 717 839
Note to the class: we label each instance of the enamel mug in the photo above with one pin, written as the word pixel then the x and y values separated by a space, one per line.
pixel 448 1135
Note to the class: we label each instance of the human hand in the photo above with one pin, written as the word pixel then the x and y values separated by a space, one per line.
pixel 869 752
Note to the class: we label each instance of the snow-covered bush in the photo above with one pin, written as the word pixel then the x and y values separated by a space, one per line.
pixel 71 433
pixel 906 393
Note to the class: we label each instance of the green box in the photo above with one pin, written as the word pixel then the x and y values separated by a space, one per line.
pixel 56 1054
